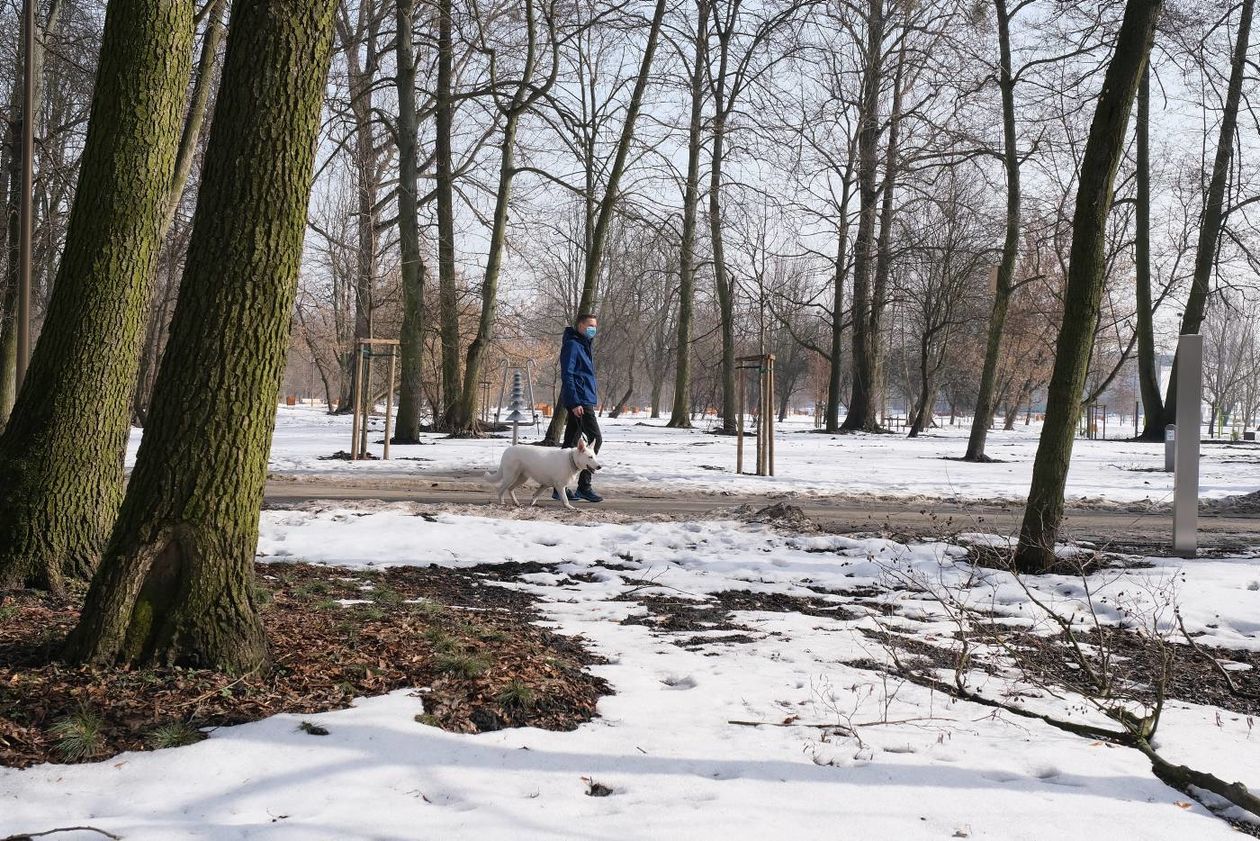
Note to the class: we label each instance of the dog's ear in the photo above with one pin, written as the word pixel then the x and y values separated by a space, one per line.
pixel 581 445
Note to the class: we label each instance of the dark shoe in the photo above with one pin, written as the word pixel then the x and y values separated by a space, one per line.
pixel 587 495
pixel 570 494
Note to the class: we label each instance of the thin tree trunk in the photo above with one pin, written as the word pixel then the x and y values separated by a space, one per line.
pixel 1086 278
pixel 612 190
pixel 983 417
pixel 198 106
pixel 448 296
pixel 680 415
pixel 608 204
pixel 883 252
pixel 1148 377
pixel 835 363
pixel 61 456
pixel 462 415
pixel 1213 217
pixel 721 278
pixel 12 169
pixel 176 586
pixel 923 406
pixel 362 81
pixel 411 335
pixel 725 292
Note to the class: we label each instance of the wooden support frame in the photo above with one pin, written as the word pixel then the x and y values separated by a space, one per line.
pixel 763 364
pixel 365 350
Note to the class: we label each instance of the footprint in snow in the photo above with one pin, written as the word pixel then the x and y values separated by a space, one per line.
pixel 679 682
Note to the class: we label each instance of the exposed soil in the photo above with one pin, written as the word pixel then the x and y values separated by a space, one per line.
pixel 469 647
pixel 1135 663
pixel 672 615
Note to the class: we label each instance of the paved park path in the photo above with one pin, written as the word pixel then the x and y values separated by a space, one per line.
pixel 1127 527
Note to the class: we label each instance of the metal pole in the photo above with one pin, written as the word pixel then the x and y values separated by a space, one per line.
pixel 1186 477
pixel 27 206
pixel 389 395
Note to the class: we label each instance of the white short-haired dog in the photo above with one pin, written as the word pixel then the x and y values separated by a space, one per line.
pixel 552 469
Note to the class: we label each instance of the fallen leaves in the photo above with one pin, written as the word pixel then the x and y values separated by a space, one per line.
pixel 471 646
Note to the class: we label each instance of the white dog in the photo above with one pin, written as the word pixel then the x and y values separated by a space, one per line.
pixel 550 468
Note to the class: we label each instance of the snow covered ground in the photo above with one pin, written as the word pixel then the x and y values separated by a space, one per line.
pixel 645 456
pixel 918 765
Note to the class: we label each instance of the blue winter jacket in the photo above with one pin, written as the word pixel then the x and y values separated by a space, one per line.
pixel 577 370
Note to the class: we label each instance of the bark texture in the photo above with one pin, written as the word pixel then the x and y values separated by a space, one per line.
pixel 862 407
pixel 448 295
pixel 985 402
pixel 411 335
pixel 61 455
pixel 1148 376
pixel 1086 277
pixel 680 414
pixel 176 584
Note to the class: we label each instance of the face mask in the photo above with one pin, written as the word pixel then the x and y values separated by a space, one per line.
pixel 591 331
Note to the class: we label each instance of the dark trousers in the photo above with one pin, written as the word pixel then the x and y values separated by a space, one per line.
pixel 586 425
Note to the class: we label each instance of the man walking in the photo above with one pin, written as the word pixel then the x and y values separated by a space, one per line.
pixel 578 395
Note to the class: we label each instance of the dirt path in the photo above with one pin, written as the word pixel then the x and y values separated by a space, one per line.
pixel 1126 526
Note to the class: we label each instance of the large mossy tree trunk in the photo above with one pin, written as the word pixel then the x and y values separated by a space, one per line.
pixel 1085 282
pixel 411 334
pixel 176 584
pixel 1005 281
pixel 190 141
pixel 680 414
pixel 61 455
pixel 1212 219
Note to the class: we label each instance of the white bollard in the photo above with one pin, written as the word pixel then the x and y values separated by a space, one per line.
pixel 1186 477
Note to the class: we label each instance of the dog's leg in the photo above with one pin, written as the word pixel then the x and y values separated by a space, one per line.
pixel 563 493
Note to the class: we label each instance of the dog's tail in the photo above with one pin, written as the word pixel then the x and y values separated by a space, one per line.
pixel 493 476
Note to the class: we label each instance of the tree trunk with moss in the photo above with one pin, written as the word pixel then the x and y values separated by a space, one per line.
pixel 61 455
pixel 189 142
pixel 176 584
pixel 411 334
pixel 1085 282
